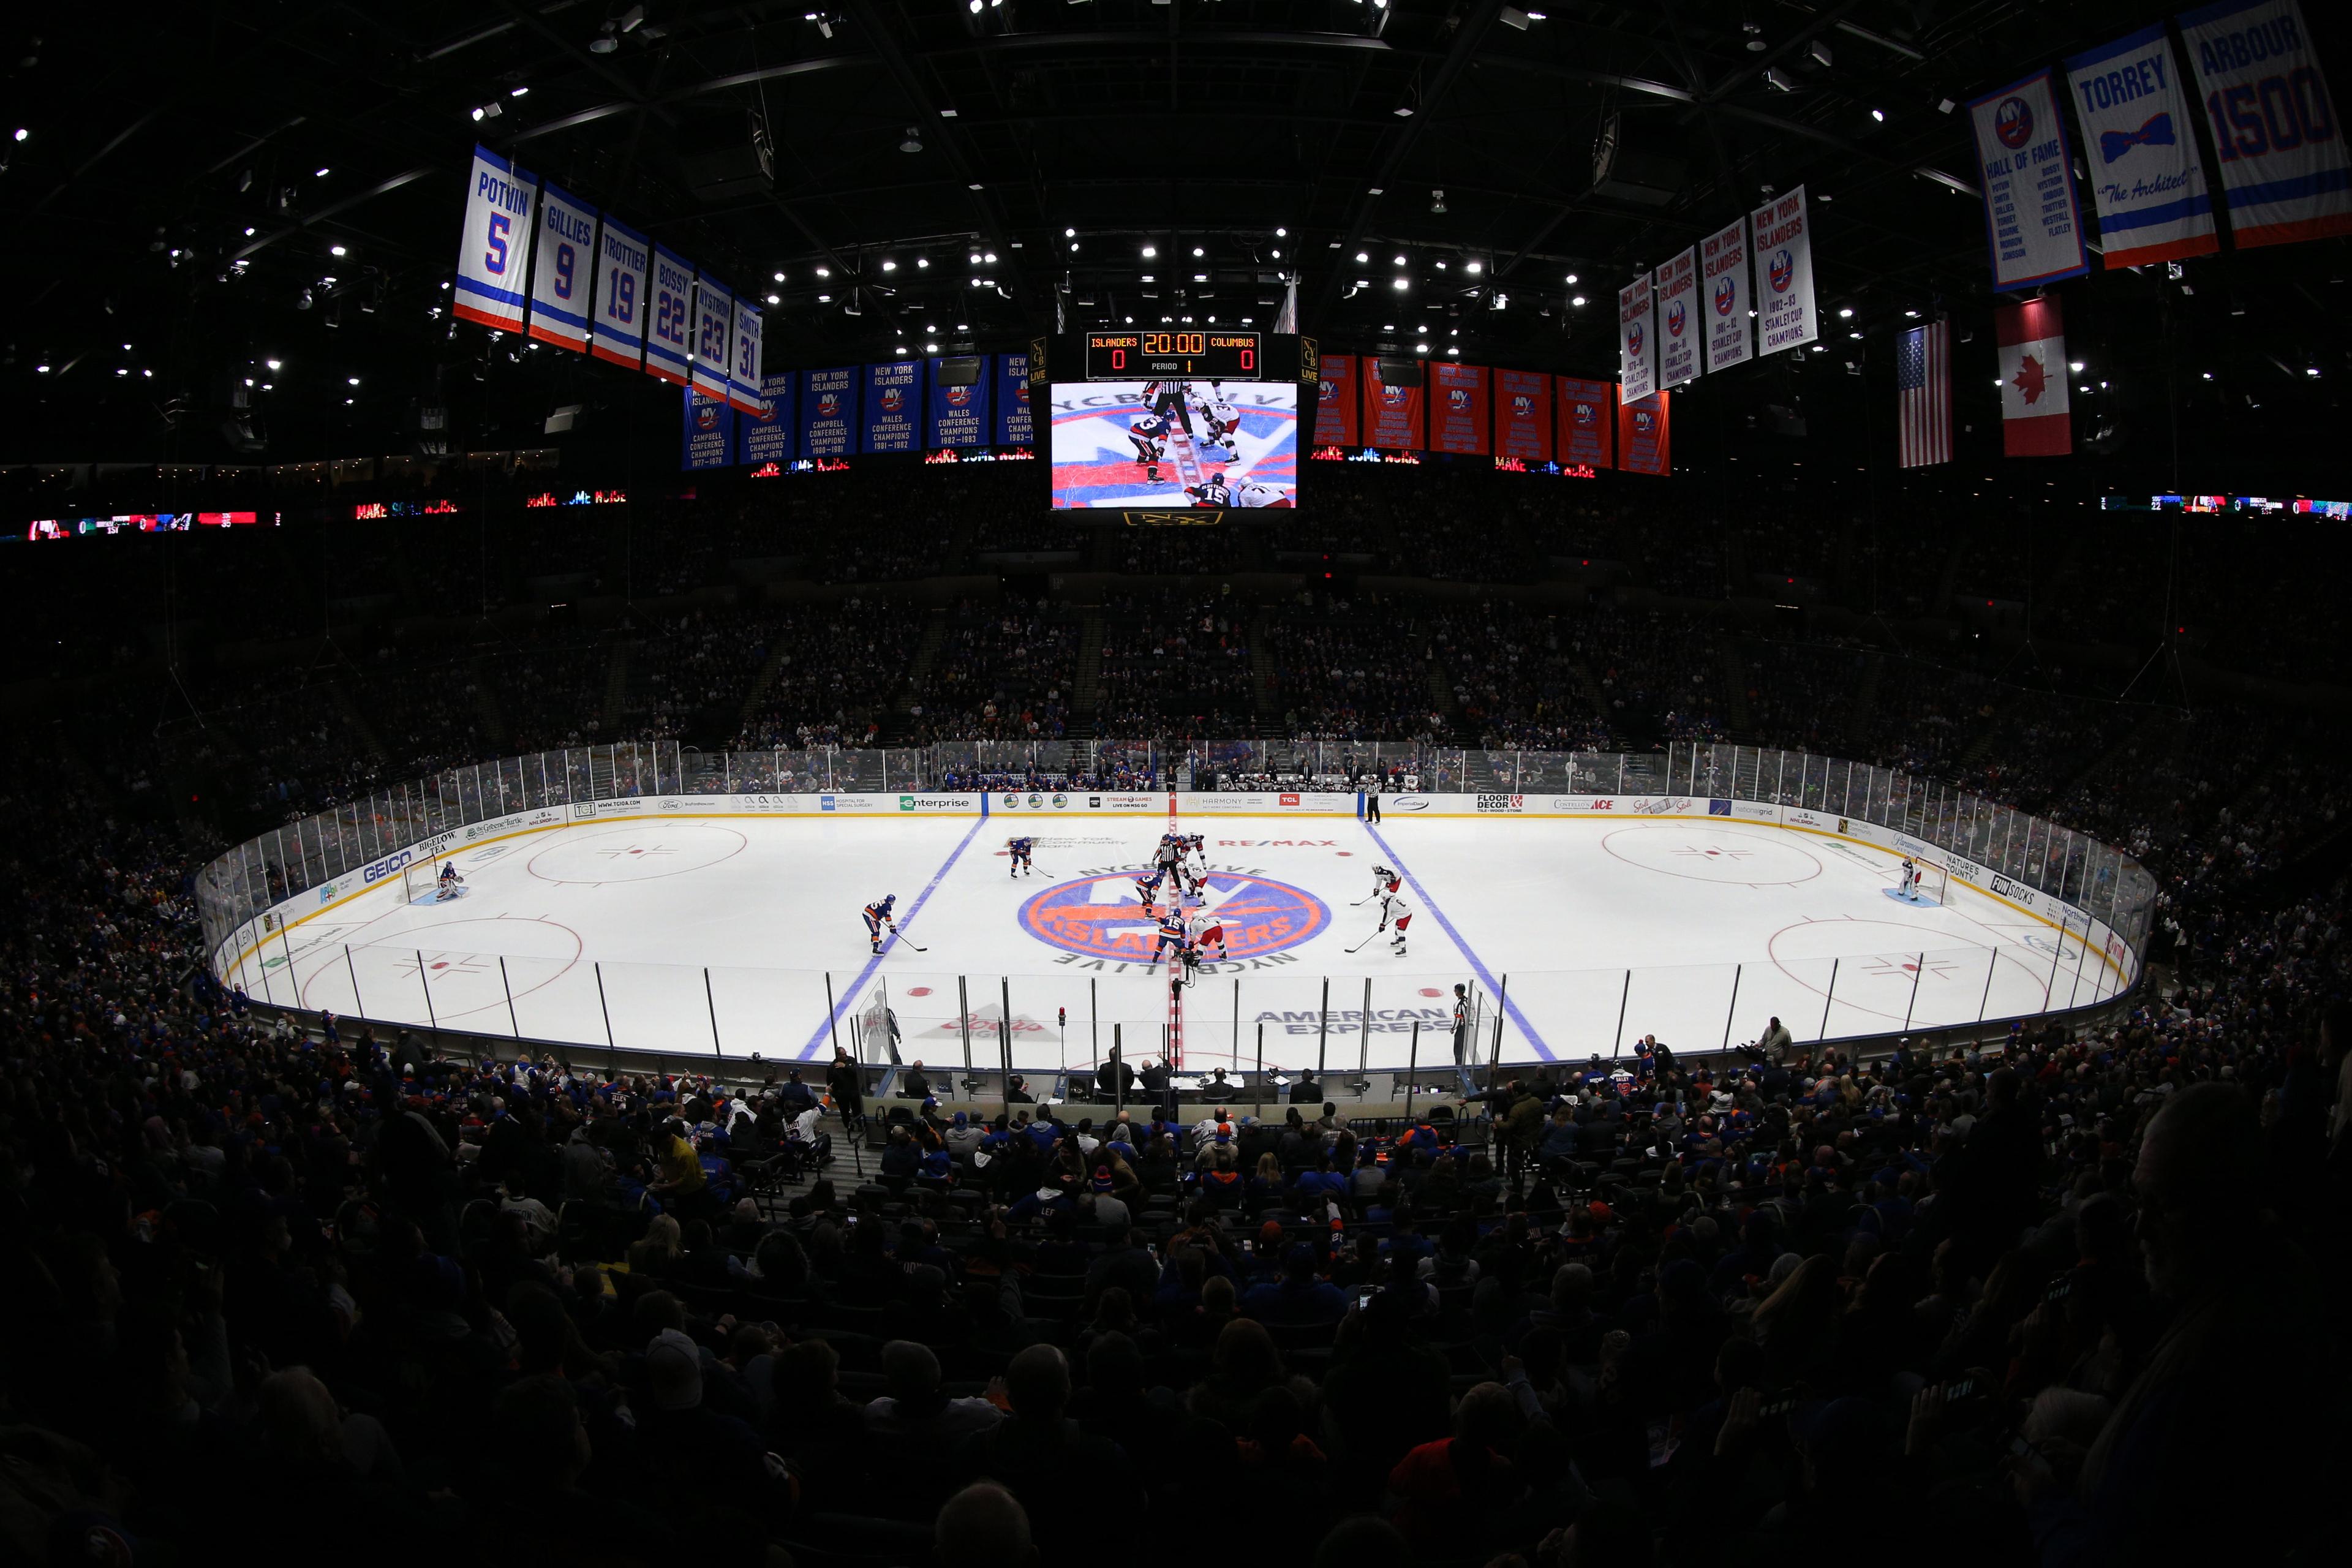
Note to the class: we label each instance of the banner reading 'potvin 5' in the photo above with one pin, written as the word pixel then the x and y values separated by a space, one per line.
pixel 494 243
pixel 2275 129
pixel 2147 182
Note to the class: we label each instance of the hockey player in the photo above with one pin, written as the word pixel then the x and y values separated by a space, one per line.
pixel 1208 932
pixel 1171 939
pixel 1149 436
pixel 1147 888
pixel 1251 493
pixel 1020 849
pixel 1169 403
pixel 1910 878
pixel 1224 423
pixel 1396 913
pixel 1383 880
pixel 449 883
pixel 878 915
pixel 1196 851
pixel 1215 492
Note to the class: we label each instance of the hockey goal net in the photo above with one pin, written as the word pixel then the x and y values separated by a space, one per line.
pixel 420 880
pixel 1928 882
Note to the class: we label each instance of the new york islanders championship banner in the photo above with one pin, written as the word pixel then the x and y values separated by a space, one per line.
pixel 743 377
pixel 1588 422
pixel 2148 185
pixel 494 243
pixel 1523 415
pixel 1782 234
pixel 956 416
pixel 1457 408
pixel 2033 220
pixel 1391 412
pixel 1335 401
pixel 1678 328
pixel 893 420
pixel 765 434
pixel 562 271
pixel 828 412
pixel 1727 295
pixel 1642 443
pixel 625 260
pixel 2275 129
pixel 709 441
pixel 1015 428
pixel 1637 338
pixel 669 341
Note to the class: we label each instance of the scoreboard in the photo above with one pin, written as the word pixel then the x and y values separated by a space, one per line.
pixel 1126 354
pixel 1173 353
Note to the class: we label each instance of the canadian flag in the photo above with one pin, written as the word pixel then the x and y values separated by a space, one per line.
pixel 2033 417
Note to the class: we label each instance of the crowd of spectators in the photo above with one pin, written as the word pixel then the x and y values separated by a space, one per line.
pixel 1175 663
pixel 1003 671
pixel 1342 670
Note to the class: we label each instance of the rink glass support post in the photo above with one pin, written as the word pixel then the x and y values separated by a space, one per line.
pixel 1502 1011
pixel 1920 969
pixel 1739 969
pixel 286 945
pixel 1623 996
pixel 711 1003
pixel 1094 1021
pixel 359 1007
pixel 1261 1069
pixel 422 985
pixel 833 1019
pixel 602 1006
pixel 1005 1019
pixel 1322 1025
pixel 1004 1061
pixel 1235 1053
pixel 1411 1070
pixel 513 1027
pixel 963 1005
pixel 1364 1029
pixel 1829 995
pixel 2047 985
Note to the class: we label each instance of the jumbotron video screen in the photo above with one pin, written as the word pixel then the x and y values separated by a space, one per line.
pixel 1166 444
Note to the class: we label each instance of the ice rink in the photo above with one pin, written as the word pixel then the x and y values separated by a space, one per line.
pixel 735 935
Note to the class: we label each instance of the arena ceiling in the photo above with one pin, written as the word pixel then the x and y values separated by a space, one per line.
pixel 265 179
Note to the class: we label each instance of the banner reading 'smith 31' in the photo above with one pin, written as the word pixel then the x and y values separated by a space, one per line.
pixel 2276 130
pixel 2147 182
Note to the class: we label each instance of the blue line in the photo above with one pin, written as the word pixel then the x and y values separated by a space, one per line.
pixel 1477 966
pixel 841 1004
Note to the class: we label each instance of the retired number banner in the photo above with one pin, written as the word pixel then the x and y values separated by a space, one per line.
pixel 562 271
pixel 2274 127
pixel 494 244
pixel 1637 334
pixel 1729 296
pixel 626 260
pixel 2033 221
pixel 670 352
pixel 714 322
pixel 743 380
pixel 2148 184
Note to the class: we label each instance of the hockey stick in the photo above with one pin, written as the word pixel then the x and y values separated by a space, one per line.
pixel 1367 942
pixel 908 940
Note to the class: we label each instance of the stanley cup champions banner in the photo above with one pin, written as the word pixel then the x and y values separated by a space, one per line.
pixel 2275 133
pixel 625 260
pixel 1678 320
pixel 743 378
pixel 494 244
pixel 562 271
pixel 668 337
pixel 2147 180
pixel 1637 334
pixel 714 324
pixel 2033 221
pixel 1784 236
pixel 1726 296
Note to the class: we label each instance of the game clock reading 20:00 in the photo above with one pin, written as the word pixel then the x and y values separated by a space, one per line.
pixel 1130 355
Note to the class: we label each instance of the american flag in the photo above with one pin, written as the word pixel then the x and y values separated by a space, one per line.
pixel 1922 395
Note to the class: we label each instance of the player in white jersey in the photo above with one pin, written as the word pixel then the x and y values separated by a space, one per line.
pixel 1223 421
pixel 1910 878
pixel 1396 913
pixel 1209 932
pixel 1383 880
pixel 1257 494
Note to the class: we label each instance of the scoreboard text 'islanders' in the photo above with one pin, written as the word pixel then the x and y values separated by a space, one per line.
pixel 1130 355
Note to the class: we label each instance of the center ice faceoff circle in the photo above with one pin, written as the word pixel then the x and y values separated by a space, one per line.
pixel 1099 917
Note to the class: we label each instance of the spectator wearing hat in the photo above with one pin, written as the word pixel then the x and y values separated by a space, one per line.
pixel 1102 1205
pixel 683 1444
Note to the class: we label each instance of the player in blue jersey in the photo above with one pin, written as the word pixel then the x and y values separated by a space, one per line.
pixel 1147 888
pixel 1149 435
pixel 450 882
pixel 1214 493
pixel 878 915
pixel 1172 937
pixel 1020 849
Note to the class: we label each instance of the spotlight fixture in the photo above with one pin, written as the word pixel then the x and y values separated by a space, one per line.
pixel 1437 202
pixel 914 140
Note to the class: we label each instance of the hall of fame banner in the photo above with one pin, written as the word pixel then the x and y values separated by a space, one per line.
pixel 2033 220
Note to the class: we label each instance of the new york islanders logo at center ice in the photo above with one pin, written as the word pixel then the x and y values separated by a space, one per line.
pixel 1099 917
